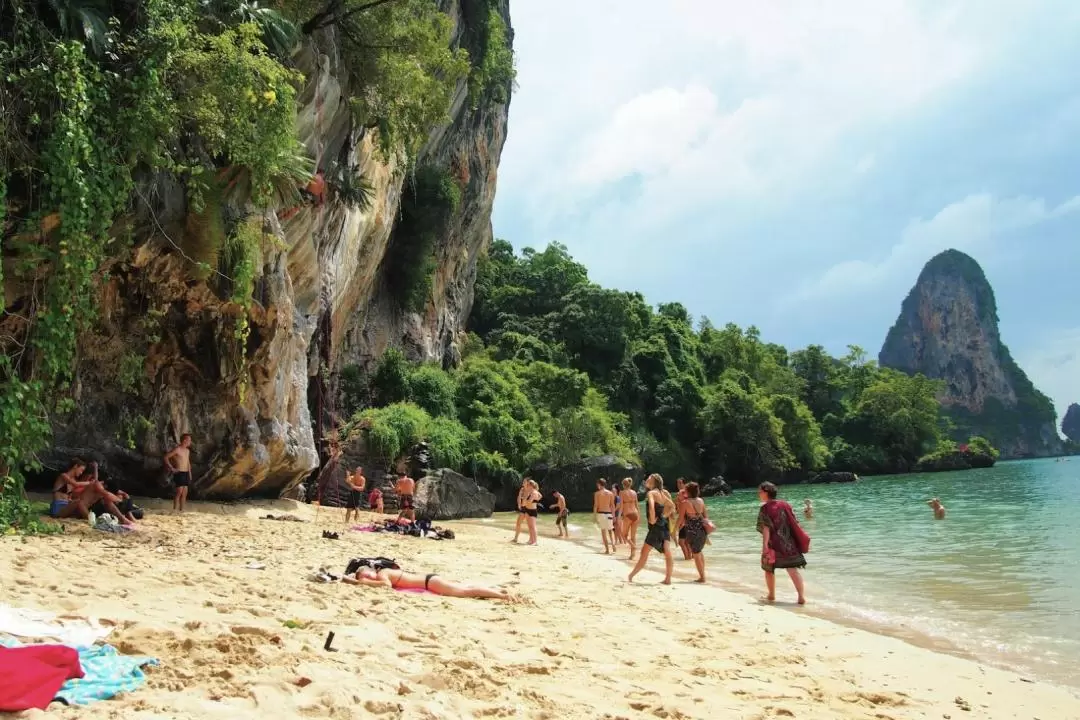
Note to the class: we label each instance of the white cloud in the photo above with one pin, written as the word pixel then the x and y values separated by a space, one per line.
pixel 971 225
pixel 866 164
pixel 1054 366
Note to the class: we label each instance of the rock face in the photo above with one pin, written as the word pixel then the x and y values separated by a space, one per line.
pixel 164 358
pixel 959 459
pixel 447 495
pixel 948 330
pixel 577 481
pixel 1070 424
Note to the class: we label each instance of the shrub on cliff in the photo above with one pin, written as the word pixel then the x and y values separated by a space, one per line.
pixel 976 453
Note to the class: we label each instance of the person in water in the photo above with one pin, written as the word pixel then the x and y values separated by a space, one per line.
pixel 660 508
pixel 631 514
pixel 603 507
pixel 777 524
pixel 808 509
pixel 432 583
pixel 692 516
pixel 939 509
pixel 560 519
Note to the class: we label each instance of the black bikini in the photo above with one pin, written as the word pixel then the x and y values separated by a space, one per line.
pixel 427 580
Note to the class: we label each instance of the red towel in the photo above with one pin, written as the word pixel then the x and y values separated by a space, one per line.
pixel 31 676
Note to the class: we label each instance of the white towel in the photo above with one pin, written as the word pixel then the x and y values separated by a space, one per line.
pixel 38 625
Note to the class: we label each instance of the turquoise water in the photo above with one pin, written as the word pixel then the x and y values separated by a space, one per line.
pixel 998 579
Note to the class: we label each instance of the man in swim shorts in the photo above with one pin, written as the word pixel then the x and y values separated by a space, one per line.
pixel 357 482
pixel 405 488
pixel 604 510
pixel 178 460
pixel 560 520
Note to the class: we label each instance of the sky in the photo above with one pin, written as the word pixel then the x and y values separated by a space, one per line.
pixel 793 164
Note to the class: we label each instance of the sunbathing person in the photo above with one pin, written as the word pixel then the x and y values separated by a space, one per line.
pixel 401 580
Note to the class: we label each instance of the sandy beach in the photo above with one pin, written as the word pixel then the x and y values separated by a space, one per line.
pixel 585 644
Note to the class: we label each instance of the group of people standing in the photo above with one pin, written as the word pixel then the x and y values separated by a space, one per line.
pixel 682 519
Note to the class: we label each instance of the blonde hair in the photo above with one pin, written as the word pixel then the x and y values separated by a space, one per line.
pixel 626 483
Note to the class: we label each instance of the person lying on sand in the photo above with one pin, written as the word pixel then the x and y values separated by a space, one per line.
pixel 401 580
pixel 939 509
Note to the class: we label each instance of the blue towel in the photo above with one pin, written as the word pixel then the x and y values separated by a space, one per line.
pixel 108 673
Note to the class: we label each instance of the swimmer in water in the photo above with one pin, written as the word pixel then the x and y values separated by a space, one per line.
pixel 939 509
pixel 808 509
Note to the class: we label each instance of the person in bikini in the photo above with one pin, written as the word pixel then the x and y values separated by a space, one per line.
pixel 603 507
pixel 375 501
pixel 357 482
pixel 73 496
pixel 560 520
pixel 432 583
pixel 680 500
pixel 630 514
pixel 178 460
pixel 528 506
pixel 616 519
pixel 405 487
pixel 521 513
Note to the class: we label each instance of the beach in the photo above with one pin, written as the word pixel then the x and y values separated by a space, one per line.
pixel 236 639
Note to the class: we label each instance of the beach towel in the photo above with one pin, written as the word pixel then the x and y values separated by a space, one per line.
pixel 38 625
pixel 33 675
pixel 107 674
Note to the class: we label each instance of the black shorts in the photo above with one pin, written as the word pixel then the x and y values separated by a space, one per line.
pixel 531 512
pixel 182 478
pixel 353 502
pixel 682 533
pixel 407 502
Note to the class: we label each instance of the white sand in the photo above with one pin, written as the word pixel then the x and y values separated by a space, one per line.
pixel 590 646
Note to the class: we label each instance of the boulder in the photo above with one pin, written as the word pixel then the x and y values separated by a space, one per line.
pixel 833 477
pixel 447 495
pixel 715 486
pixel 577 481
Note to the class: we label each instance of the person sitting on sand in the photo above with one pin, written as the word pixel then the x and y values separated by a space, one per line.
pixel 375 501
pixel 74 496
pixel 631 514
pixel 405 487
pixel 808 509
pixel 939 509
pixel 178 460
pixel 432 583
pixel 356 482
pixel 659 509
pixel 603 507
pixel 560 519
pixel 777 524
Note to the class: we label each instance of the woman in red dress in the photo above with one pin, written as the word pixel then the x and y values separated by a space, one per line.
pixel 781 538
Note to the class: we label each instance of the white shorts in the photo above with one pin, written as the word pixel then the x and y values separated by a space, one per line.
pixel 604 521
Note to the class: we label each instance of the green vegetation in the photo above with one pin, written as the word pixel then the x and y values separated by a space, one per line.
pixel 493 72
pixel 98 94
pixel 976 453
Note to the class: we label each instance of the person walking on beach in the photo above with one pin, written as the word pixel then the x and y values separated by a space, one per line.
pixel 939 509
pixel 616 518
pixel 680 500
pixel 603 507
pixel 783 542
pixel 630 514
pixel 357 482
pixel 808 509
pixel 178 460
pixel 522 491
pixel 405 487
pixel 560 519
pixel 693 515
pixel 659 508
pixel 528 506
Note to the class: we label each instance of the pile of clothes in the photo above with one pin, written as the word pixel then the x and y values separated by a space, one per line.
pixel 419 528
pixel 76 671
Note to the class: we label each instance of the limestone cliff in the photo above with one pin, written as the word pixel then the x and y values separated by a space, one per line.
pixel 321 301
pixel 948 330
pixel 1070 424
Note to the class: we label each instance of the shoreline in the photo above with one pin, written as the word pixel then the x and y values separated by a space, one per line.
pixel 684 571
pixel 181 591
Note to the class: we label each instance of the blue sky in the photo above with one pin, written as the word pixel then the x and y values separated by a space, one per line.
pixel 793 165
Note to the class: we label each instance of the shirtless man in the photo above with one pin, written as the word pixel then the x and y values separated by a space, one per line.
pixel 939 509
pixel 178 460
pixel 560 520
pixel 357 482
pixel 405 488
pixel 73 496
pixel 603 507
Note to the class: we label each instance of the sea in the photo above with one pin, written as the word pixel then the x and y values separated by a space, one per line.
pixel 998 580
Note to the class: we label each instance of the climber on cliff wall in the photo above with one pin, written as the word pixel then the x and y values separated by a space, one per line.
pixel 178 460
